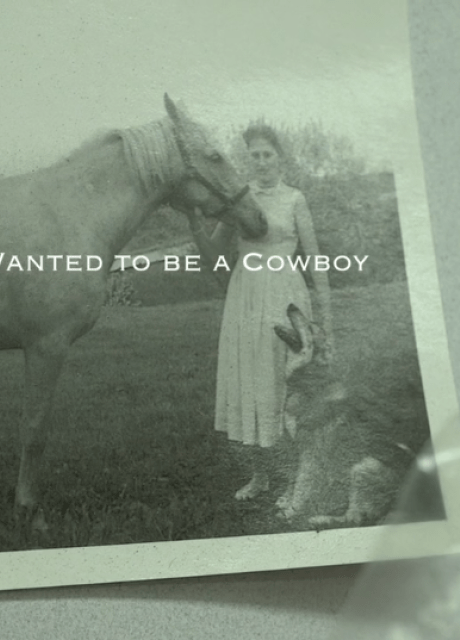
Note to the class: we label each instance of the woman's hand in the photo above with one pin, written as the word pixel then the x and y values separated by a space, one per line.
pixel 325 353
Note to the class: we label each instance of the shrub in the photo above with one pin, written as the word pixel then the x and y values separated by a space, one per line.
pixel 354 210
pixel 120 290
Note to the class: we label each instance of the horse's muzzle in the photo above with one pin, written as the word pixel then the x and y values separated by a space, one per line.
pixel 256 230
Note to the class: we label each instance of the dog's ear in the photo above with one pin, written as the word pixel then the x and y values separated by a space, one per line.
pixel 289 336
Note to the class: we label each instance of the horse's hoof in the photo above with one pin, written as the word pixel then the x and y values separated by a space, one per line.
pixel 23 514
pixel 31 526
pixel 39 523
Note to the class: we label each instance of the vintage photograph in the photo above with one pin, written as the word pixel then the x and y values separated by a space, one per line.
pixel 218 294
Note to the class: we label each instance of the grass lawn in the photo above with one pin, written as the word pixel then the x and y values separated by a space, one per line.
pixel 133 456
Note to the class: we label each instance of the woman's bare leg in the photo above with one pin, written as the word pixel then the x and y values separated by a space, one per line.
pixel 259 481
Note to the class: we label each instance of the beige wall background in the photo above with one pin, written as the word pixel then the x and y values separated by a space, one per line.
pixel 298 604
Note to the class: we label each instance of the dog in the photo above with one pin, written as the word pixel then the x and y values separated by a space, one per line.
pixel 349 465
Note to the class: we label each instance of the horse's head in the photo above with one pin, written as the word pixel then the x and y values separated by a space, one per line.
pixel 209 180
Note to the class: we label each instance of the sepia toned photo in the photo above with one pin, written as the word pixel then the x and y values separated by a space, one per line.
pixel 222 342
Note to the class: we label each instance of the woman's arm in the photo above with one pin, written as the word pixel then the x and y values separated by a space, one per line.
pixel 309 246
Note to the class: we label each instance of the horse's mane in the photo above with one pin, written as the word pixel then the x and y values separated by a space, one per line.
pixel 93 143
pixel 149 151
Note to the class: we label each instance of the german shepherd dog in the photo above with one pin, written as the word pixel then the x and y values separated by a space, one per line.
pixel 352 453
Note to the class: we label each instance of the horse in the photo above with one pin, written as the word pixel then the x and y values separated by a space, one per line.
pixel 82 210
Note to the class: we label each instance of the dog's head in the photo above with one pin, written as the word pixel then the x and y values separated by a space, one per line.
pixel 312 386
pixel 304 338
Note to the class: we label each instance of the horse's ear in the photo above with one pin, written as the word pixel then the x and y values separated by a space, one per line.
pixel 176 111
pixel 171 109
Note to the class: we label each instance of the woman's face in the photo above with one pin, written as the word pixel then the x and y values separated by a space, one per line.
pixel 264 162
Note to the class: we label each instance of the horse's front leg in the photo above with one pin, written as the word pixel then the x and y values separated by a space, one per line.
pixel 43 364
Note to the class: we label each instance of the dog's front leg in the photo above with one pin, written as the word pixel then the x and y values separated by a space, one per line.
pixel 300 488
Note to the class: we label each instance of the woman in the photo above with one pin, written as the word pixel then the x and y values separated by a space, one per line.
pixel 251 363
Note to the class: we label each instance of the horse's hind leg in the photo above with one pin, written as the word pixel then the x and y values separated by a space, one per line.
pixel 43 363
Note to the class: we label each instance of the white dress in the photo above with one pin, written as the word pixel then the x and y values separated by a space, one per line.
pixel 251 383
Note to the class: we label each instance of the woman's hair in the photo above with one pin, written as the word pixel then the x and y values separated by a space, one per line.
pixel 264 131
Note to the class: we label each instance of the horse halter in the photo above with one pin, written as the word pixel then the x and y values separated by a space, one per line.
pixel 192 173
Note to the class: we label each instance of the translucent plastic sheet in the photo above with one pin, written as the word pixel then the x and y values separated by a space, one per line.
pixel 416 599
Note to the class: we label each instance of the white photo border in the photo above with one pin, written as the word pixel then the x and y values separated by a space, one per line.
pixel 161 560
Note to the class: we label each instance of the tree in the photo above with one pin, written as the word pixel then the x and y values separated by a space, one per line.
pixel 310 151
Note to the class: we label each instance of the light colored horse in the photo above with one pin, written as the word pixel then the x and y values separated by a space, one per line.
pixel 90 204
